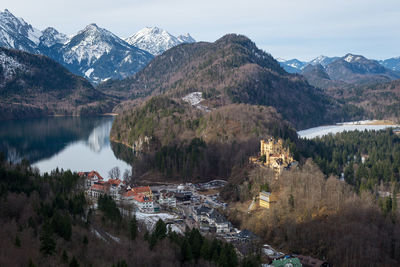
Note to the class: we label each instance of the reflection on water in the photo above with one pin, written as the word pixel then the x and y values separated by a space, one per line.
pixel 79 144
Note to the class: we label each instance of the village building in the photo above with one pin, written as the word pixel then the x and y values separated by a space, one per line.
pixel 141 197
pixel 90 178
pixel 115 185
pixel 264 199
pixel 143 203
pixel 98 189
pixel 213 218
pixel 145 190
pixel 167 199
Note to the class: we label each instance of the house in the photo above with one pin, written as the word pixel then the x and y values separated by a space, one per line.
pixel 264 199
pixel 183 198
pixel 143 202
pixel 141 197
pixel 128 197
pixel 213 218
pixel 145 190
pixel 167 198
pixel 98 189
pixel 246 236
pixel 91 178
pixel 115 186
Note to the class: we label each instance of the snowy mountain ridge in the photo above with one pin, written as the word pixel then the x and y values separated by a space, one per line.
pixel 16 33
pixel 93 52
pixel 156 41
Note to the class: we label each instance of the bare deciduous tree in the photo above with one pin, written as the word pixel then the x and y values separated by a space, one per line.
pixel 114 173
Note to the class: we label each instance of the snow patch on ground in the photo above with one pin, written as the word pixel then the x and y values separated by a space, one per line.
pixel 150 219
pixel 193 98
pixel 9 65
pixel 89 72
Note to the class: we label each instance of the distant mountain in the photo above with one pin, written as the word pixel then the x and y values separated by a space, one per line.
pixel 323 60
pixel 16 33
pixel 391 63
pixel 93 53
pixel 35 85
pixel 292 65
pixel 317 71
pixel 358 69
pixel 51 36
pixel 186 38
pixel 98 55
pixel 156 40
pixel 230 70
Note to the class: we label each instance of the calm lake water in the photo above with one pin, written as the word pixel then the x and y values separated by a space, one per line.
pixel 75 143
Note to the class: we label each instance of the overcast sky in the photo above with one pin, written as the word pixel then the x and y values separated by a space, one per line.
pixel 302 29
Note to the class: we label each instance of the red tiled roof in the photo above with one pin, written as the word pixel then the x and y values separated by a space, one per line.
pixel 142 198
pixel 98 187
pixel 93 173
pixel 143 189
pixel 129 193
pixel 114 181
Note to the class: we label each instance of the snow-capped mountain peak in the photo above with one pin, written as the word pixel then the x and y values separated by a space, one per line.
pixel 186 38
pixel 156 40
pixel 90 44
pixel 322 60
pixel 51 37
pixel 16 33
pixel 351 58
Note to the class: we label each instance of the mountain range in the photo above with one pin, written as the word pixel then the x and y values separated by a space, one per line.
pixel 94 52
pixel 156 40
pixel 296 66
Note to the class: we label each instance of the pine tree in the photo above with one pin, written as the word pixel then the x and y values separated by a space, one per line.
pixel 64 257
pixel 133 229
pixel 17 241
pixel 47 243
pixel 186 251
pixel 74 262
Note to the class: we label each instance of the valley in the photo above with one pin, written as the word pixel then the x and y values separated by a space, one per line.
pixel 152 149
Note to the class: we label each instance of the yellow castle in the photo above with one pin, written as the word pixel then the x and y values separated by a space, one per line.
pixel 275 155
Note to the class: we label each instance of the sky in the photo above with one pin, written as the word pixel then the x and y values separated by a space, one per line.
pixel 302 29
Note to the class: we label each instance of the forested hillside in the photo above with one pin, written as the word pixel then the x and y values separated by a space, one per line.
pixel 46 221
pixel 34 85
pixel 367 159
pixel 232 70
pixel 311 214
pixel 179 141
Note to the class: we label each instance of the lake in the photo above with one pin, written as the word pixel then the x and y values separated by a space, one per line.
pixel 347 126
pixel 75 143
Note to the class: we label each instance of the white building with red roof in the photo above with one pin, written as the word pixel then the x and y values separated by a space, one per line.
pixel 91 178
pixel 141 197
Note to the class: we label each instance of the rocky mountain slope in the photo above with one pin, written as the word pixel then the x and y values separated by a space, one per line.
pixel 231 70
pixel 358 69
pixel 156 41
pixel 100 55
pixel 391 63
pixel 18 34
pixel 93 52
pixel 34 85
